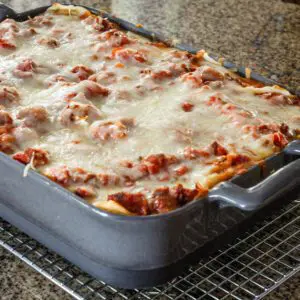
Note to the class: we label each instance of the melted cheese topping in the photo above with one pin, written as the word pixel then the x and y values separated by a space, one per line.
pixel 154 106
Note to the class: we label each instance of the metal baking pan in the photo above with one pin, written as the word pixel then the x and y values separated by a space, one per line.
pixel 135 252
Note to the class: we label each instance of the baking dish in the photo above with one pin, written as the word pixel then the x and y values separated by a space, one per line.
pixel 135 252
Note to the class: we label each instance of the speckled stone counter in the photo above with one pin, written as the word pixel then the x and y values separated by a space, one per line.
pixel 263 35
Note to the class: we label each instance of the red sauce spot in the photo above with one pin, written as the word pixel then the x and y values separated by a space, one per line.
pixel 135 203
pixel 187 107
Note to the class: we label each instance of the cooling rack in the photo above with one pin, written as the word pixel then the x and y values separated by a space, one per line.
pixel 258 262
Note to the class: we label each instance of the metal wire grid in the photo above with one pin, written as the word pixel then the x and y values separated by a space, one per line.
pixel 250 268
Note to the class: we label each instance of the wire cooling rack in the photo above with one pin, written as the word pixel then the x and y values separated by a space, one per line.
pixel 250 268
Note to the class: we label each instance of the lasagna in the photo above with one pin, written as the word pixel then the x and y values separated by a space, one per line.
pixel 132 126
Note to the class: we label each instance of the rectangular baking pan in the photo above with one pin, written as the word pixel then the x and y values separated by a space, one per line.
pixel 135 252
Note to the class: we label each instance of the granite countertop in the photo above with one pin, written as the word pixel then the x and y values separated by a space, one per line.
pixel 263 35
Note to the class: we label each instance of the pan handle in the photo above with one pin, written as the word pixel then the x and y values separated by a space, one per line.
pixel 293 148
pixel 6 12
pixel 274 186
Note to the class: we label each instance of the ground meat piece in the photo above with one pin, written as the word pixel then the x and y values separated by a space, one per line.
pixel 184 195
pixel 202 76
pixel 295 100
pixel 10 25
pixel 93 89
pixel 129 55
pixel 108 179
pixel 109 130
pixel 161 74
pixel 27 32
pixel 279 140
pixel 224 165
pixel 132 171
pixel 59 175
pixel 278 99
pixel 215 100
pixel 8 33
pixel 135 203
pixel 5 118
pixel 114 38
pixel 218 149
pixel 163 201
pixel 33 116
pixel 192 153
pixel 73 177
pixel 210 74
pixel 50 42
pixel 106 130
pixel 157 162
pixel 101 24
pixel 181 170
pixel 77 111
pixel 9 45
pixel 85 192
pixel 104 77
pixel 175 64
pixel 7 140
pixel 155 165
pixel 193 80
pixel 237 159
pixel 27 65
pixel 261 129
pixel 79 175
pixel 57 78
pixel 98 23
pixel 284 129
pixel 25 69
pixel 178 54
pixel 82 72
pixel 179 69
pixel 278 135
pixel 8 95
pixel 40 21
pixel 267 128
pixel 40 157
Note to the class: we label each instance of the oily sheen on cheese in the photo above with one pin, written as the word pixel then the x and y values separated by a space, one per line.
pixel 134 127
